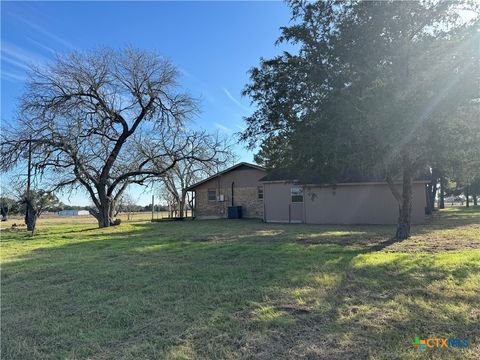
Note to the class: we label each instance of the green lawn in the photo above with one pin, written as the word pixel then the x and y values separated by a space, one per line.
pixel 239 289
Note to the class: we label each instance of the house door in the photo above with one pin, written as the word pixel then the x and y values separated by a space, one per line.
pixel 296 213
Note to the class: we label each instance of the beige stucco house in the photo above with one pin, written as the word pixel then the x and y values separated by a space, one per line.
pixel 274 199
pixel 345 203
pixel 236 186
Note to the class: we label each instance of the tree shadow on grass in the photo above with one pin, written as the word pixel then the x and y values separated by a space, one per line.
pixel 82 230
pixel 115 291
pixel 449 230
pixel 218 291
pixel 376 311
pixel 266 298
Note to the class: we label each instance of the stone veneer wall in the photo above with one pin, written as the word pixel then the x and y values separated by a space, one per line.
pixel 245 197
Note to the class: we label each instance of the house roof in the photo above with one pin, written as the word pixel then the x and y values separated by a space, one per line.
pixel 284 175
pixel 234 167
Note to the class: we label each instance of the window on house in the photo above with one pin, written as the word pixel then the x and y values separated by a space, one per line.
pixel 260 192
pixel 212 194
pixel 297 194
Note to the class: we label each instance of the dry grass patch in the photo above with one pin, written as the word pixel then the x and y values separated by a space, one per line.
pixel 239 289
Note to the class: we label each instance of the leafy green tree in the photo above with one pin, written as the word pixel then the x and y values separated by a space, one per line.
pixel 36 203
pixel 8 206
pixel 475 189
pixel 454 149
pixel 369 81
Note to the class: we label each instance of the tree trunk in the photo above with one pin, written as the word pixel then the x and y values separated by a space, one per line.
pixel 181 208
pixel 441 205
pixel 429 206
pixel 103 214
pixel 182 204
pixel 30 215
pixel 191 206
pixel 475 203
pixel 113 210
pixel 431 192
pixel 405 209
pixel 467 196
pixel 4 211
pixel 30 212
pixel 104 219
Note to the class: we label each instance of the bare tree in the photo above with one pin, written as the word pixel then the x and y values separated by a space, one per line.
pixel 189 171
pixel 128 205
pixel 104 120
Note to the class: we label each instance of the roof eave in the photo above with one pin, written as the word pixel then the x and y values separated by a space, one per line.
pixel 231 168
pixel 340 183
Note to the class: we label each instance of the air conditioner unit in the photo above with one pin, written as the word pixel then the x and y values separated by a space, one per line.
pixel 221 198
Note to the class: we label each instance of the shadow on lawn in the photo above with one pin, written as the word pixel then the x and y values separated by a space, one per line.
pixel 376 311
pixel 217 293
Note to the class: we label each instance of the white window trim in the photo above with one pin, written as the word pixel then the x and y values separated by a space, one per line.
pixel 291 195
pixel 263 193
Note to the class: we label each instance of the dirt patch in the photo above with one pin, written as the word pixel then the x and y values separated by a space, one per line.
pixel 432 247
pixel 294 309
pixel 430 238
pixel 350 240
pixel 305 241
pixel 433 240
pixel 291 309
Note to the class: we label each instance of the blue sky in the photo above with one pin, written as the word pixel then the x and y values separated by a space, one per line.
pixel 213 43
